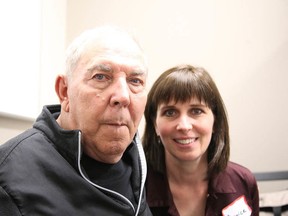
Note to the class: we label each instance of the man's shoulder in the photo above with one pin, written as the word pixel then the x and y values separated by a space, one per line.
pixel 14 143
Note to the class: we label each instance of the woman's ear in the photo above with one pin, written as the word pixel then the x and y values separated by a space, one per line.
pixel 156 129
pixel 61 88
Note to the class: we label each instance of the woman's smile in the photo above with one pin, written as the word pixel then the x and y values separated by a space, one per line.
pixel 186 141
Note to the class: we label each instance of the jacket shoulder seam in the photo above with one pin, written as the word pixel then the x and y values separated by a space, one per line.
pixel 15 144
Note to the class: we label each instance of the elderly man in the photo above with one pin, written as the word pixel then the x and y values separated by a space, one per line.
pixel 83 157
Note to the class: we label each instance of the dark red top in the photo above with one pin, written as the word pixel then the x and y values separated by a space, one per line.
pixel 235 187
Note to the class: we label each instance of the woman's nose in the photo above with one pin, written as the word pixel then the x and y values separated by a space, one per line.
pixel 121 93
pixel 184 123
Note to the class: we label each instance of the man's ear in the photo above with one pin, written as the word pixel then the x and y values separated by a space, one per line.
pixel 61 88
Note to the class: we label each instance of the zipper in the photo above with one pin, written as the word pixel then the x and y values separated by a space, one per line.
pixel 95 185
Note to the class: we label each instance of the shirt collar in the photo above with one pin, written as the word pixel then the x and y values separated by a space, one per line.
pixel 221 183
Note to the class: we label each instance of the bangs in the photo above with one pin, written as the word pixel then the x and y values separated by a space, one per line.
pixel 177 87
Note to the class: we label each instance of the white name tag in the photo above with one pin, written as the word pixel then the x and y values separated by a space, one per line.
pixel 239 207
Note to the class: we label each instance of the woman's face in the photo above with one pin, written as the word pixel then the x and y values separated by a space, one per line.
pixel 185 129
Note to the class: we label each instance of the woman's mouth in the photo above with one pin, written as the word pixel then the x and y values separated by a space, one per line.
pixel 186 141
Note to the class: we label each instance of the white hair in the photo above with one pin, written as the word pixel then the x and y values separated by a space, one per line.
pixel 93 37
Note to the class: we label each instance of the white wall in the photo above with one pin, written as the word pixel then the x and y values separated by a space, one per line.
pixel 53 46
pixel 242 43
pixel 34 40
pixel 20 56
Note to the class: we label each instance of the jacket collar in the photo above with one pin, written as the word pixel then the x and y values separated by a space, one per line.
pixel 68 143
pixel 65 141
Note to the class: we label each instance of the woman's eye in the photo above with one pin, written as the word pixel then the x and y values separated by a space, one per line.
pixel 169 113
pixel 197 111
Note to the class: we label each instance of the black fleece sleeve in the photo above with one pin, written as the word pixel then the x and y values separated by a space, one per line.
pixel 7 206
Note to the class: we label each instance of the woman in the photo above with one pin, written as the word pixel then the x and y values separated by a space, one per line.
pixel 186 142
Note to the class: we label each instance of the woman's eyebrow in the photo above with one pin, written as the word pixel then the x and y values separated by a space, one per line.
pixel 163 107
pixel 198 105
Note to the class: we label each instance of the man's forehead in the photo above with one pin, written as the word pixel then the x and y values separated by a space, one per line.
pixel 108 66
pixel 109 60
pixel 103 55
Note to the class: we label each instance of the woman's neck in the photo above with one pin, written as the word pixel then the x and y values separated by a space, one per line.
pixel 188 184
pixel 183 172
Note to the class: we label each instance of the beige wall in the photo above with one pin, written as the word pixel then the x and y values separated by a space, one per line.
pixel 242 43
pixel 11 126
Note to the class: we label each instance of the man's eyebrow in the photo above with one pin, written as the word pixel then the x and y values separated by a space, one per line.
pixel 101 67
pixel 139 71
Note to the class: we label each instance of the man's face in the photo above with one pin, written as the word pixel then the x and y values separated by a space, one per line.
pixel 106 99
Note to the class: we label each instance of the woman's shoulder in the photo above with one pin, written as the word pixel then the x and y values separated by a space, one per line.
pixel 236 167
pixel 237 170
pixel 235 177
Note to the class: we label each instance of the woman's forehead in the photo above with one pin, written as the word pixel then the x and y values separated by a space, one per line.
pixel 192 100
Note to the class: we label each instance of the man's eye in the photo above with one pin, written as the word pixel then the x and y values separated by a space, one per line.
pixel 136 81
pixel 99 76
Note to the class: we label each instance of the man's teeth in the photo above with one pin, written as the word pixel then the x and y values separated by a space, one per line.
pixel 185 141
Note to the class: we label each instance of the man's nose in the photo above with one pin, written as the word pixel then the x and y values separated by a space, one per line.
pixel 121 93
